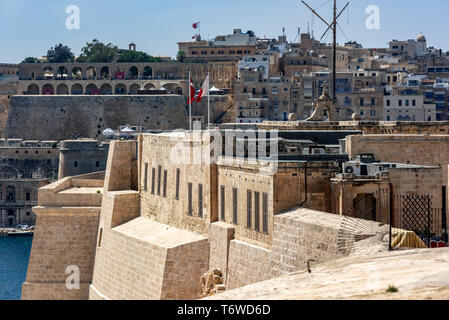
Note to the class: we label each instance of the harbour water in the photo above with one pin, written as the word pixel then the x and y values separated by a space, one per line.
pixel 14 256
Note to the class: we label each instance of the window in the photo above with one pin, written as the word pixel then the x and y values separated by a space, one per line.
pixel 400 103
pixel 234 206
pixel 75 164
pixel 361 101
pixel 178 174
pixel 153 178
pixel 407 103
pixel 265 213
pixel 388 102
pixel 28 196
pixel 414 103
pixel 373 113
pixel 200 200
pixel 222 204
pixel 249 199
pixel 145 181
pixel 190 199
pixel 28 214
pixel 257 211
pixel 159 172
pixel 164 191
pixel 97 164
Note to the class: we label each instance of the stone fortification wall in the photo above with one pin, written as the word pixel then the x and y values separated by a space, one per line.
pixel 62 117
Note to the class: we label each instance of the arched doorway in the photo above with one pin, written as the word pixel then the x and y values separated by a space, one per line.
pixel 147 72
pixel 77 73
pixel 133 73
pixel 364 206
pixel 33 89
pixel 91 73
pixel 77 89
pixel 10 194
pixel 92 89
pixel 62 73
pixel 10 218
pixel 104 73
pixel 48 89
pixel 134 88
pixel 106 89
pixel 62 89
pixel 120 89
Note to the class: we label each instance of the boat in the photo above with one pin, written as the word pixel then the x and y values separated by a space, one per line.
pixel 21 233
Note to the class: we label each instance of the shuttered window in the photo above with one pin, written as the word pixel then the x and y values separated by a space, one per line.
pixel 265 213
pixel 222 199
pixel 257 211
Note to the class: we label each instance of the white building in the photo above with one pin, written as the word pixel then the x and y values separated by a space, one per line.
pixel 408 108
pixel 410 48
pixel 256 62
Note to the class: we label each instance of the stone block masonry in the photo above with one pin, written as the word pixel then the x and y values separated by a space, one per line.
pixel 62 117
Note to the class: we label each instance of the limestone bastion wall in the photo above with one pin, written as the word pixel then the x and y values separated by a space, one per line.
pixel 62 117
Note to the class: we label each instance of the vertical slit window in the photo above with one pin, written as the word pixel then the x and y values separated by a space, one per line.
pixel 223 199
pixel 145 182
pixel 153 178
pixel 178 174
pixel 200 200
pixel 159 173
pixel 164 190
pixel 234 206
pixel 190 199
pixel 249 199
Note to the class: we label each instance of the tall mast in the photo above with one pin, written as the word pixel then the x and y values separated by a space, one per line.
pixel 334 66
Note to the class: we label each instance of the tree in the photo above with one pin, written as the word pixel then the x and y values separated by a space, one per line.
pixel 60 53
pixel 97 51
pixel 137 56
pixel 181 56
pixel 30 60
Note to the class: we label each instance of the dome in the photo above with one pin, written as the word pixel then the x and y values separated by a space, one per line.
pixel 421 37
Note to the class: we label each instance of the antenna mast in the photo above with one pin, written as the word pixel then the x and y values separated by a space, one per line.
pixel 331 26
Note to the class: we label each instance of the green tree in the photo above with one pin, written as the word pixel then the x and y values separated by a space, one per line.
pixel 30 60
pixel 181 56
pixel 97 51
pixel 137 56
pixel 60 53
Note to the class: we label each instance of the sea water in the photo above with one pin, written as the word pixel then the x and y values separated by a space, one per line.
pixel 14 256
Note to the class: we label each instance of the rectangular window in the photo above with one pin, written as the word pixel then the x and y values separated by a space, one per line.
pixel 265 213
pixel 222 199
pixel 190 199
pixel 249 199
pixel 257 211
pixel 153 179
pixel 159 173
pixel 28 196
pixel 200 200
pixel 164 192
pixel 234 206
pixel 145 181
pixel 178 174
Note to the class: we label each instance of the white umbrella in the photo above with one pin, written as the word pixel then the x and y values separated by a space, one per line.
pixel 108 132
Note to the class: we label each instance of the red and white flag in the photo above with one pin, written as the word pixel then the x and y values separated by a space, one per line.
pixel 196 25
pixel 204 90
pixel 192 92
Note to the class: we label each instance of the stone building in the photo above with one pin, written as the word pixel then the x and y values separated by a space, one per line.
pixel 78 157
pixel 25 166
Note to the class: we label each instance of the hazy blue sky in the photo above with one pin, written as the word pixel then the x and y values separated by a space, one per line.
pixel 30 27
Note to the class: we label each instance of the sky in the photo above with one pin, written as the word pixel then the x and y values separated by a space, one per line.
pixel 31 27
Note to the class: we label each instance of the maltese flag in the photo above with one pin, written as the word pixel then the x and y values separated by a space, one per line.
pixel 196 25
pixel 204 90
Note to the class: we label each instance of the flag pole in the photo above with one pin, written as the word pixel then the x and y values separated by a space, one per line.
pixel 208 101
pixel 190 103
